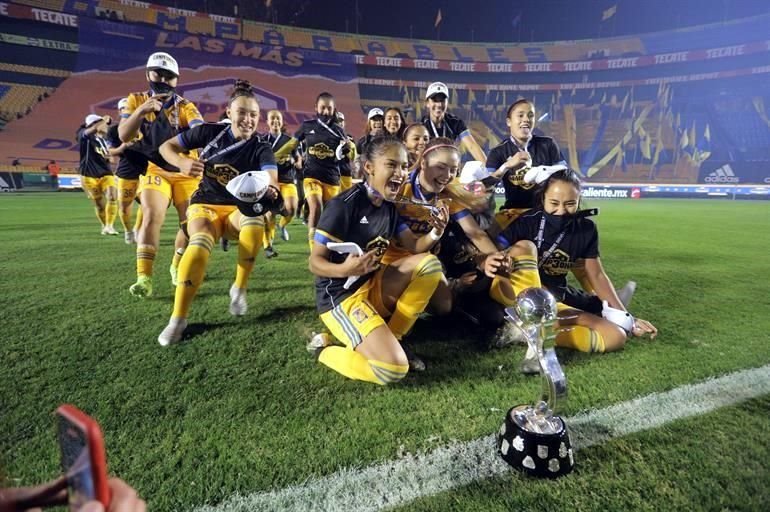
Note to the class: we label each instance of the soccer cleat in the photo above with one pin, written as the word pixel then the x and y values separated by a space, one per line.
pixel 270 252
pixel 626 293
pixel 129 237
pixel 225 244
pixel 109 230
pixel 238 304
pixel 173 332
pixel 415 363
pixel 104 230
pixel 530 365
pixel 142 287
pixel 509 334
pixel 317 343
pixel 174 271
pixel 284 234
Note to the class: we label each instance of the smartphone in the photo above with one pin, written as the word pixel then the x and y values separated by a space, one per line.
pixel 83 460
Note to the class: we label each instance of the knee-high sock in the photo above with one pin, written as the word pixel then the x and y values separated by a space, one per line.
pixel 111 211
pixel 249 243
pixel 582 276
pixel 355 366
pixel 145 257
pixel 285 220
pixel 425 278
pixel 192 269
pixel 101 214
pixel 310 236
pixel 524 274
pixel 580 338
pixel 125 218
pixel 177 259
pixel 269 232
pixel 138 222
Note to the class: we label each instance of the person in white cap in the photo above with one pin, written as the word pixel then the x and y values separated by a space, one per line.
pixel 238 170
pixel 96 173
pixel 130 167
pixel 375 127
pixel 159 114
pixel 440 123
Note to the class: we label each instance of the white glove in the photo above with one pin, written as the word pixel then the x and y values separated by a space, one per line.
pixel 338 151
pixel 542 172
pixel 622 319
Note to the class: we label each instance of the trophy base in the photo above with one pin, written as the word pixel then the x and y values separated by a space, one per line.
pixel 539 455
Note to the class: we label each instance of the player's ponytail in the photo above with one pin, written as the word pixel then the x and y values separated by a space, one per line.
pixel 242 88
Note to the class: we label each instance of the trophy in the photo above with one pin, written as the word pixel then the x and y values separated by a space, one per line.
pixel 532 439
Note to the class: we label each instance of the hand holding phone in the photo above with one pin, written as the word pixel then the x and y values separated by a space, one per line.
pixel 83 460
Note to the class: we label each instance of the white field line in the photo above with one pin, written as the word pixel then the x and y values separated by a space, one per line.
pixel 397 482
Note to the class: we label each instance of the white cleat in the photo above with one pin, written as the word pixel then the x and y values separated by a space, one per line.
pixel 626 293
pixel 109 230
pixel 129 237
pixel 509 334
pixel 173 332
pixel 238 304
pixel 284 234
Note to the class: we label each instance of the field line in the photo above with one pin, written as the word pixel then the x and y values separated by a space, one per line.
pixel 403 480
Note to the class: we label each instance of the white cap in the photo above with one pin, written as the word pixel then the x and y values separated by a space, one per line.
pixel 122 103
pixel 249 187
pixel 437 88
pixel 162 60
pixel 374 113
pixel 91 119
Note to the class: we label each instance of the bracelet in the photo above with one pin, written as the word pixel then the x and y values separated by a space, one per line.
pixel 435 235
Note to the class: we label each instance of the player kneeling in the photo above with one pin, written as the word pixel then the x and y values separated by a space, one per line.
pixel 354 292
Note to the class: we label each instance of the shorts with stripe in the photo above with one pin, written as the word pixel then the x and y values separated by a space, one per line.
pixel 222 217
pixel 314 187
pixel 357 315
pixel 127 189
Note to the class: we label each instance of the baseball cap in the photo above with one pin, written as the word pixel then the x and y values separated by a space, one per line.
pixel 437 88
pixel 122 103
pixel 162 60
pixel 248 188
pixel 91 119
pixel 374 113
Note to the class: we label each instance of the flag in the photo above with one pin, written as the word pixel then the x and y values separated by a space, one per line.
pixel 438 19
pixel 515 21
pixel 684 140
pixel 609 13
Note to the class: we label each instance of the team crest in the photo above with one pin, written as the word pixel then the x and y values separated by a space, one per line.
pixel 379 245
pixel 516 178
pixel 222 173
pixel 557 264
pixel 359 315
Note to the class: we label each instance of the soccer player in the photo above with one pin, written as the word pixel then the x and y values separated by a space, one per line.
pixel 158 115
pixel 416 137
pixel 325 143
pixel 394 122
pixel 131 166
pixel 277 138
pixel 355 311
pixel 562 238
pixel 440 123
pixel 97 177
pixel 348 157
pixel 374 128
pixel 228 150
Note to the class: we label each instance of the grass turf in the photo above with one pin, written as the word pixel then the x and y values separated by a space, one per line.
pixel 242 407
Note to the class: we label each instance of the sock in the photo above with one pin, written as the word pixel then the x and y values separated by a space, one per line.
pixel 249 242
pixel 192 269
pixel 138 222
pixel 145 257
pixel 524 274
pixel 310 236
pixel 355 366
pixel 111 211
pixel 580 338
pixel 101 215
pixel 425 278
pixel 177 257
pixel 579 271
pixel 285 220
pixel 125 219
pixel 269 232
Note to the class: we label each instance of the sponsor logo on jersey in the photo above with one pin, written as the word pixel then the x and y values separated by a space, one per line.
pixel 364 220
pixel 321 151
pixel 222 173
pixel 557 264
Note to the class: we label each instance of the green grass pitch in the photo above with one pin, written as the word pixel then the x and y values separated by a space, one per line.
pixel 241 407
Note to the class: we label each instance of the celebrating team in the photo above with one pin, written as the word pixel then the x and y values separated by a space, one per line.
pixel 409 239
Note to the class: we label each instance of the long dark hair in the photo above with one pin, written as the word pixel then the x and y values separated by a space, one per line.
pixel 402 128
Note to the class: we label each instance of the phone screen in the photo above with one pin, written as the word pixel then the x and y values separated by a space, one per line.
pixel 76 463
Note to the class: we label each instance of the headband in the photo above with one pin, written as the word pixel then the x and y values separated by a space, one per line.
pixel 438 146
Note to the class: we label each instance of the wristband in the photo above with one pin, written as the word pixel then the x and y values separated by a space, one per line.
pixel 435 235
